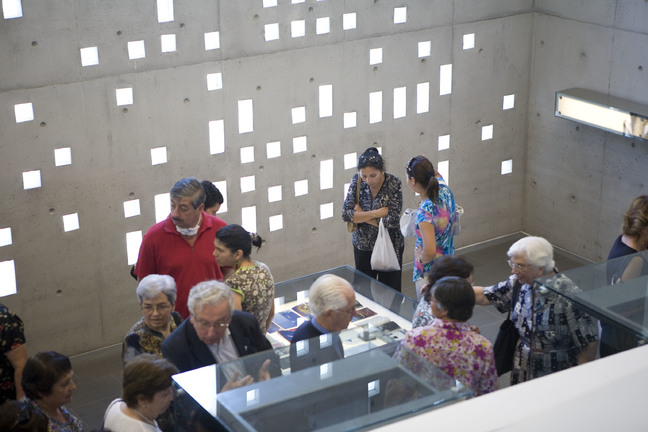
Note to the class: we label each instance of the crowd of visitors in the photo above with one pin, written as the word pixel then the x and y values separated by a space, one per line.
pixel 205 301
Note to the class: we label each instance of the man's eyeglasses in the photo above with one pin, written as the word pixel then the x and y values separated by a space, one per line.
pixel 516 266
pixel 216 326
pixel 162 307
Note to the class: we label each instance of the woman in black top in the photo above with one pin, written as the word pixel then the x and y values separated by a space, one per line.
pixel 381 197
pixel 634 238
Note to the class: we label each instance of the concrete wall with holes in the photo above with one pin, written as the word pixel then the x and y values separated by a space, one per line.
pixel 77 156
pixel 579 179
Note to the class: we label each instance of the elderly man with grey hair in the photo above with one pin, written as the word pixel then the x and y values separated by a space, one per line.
pixel 182 245
pixel 217 333
pixel 157 297
pixel 332 303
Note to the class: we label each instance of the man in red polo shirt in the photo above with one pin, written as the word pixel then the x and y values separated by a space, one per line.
pixel 182 245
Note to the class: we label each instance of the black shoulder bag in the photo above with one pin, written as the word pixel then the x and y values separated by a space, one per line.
pixel 507 339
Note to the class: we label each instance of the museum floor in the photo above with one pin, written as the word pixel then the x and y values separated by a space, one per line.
pixel 98 373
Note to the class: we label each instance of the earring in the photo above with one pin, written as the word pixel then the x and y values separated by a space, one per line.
pixel 236 265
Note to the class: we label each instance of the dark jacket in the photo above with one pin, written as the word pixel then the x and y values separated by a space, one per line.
pixel 186 351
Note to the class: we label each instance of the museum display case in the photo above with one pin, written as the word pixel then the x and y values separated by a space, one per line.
pixel 338 381
pixel 610 291
pixel 352 393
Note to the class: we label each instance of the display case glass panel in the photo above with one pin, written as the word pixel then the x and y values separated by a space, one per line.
pixel 351 393
pixel 614 291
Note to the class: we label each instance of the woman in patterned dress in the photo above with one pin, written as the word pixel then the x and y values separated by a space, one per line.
pixel 434 218
pixel 381 197
pixel 48 384
pixel 445 265
pixel 157 296
pixel 449 343
pixel 251 281
pixel 554 334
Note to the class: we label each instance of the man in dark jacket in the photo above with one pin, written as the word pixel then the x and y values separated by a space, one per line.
pixel 216 333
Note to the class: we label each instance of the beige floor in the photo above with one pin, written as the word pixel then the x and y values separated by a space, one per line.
pixel 98 373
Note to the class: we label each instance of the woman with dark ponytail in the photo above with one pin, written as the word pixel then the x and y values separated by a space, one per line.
pixel 380 197
pixel 434 218
pixel 250 281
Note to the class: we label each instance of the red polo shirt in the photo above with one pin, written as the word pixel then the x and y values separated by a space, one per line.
pixel 165 251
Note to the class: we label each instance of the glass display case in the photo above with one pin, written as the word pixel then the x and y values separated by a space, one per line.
pixel 382 315
pixel 352 393
pixel 614 291
pixel 337 381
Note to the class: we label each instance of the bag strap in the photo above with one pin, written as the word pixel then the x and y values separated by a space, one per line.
pixel 358 183
pixel 516 293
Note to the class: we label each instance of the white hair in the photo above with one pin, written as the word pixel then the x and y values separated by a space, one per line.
pixel 209 293
pixel 328 293
pixel 537 250
pixel 152 285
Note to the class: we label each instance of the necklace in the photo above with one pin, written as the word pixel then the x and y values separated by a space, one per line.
pixel 146 419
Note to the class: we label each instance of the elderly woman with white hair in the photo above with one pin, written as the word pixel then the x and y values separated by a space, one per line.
pixel 554 334
pixel 157 298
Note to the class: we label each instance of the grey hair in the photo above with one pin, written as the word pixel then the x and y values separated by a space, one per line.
pixel 209 293
pixel 538 252
pixel 189 187
pixel 327 293
pixel 152 285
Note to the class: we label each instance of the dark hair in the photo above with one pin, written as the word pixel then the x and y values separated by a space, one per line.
pixel 422 170
pixel 371 158
pixel 21 416
pixel 235 237
pixel 446 265
pixel 635 219
pixel 145 375
pixel 455 295
pixel 212 195
pixel 42 371
pixel 189 187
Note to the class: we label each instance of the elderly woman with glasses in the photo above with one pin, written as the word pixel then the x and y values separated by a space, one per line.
pixel 373 195
pixel 554 334
pixel 434 218
pixel 157 297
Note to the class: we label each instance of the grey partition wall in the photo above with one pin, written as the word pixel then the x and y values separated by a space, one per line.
pixel 105 105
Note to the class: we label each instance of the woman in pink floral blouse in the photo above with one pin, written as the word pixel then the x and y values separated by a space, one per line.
pixel 449 343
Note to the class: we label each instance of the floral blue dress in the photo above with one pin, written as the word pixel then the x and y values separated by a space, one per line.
pixel 439 213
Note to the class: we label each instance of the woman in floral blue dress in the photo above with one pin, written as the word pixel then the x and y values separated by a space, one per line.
pixel 434 218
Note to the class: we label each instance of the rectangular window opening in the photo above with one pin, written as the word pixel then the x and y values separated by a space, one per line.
pixel 275 222
pixel 131 208
pixel 63 156
pixel 7 278
pixel 422 97
pixel 162 206
pixel 273 149
pixel 12 9
pixel 300 144
pixel 216 137
pixel 375 107
pixel 325 100
pixel 133 242
pixel 248 219
pixel 326 174
pixel 247 154
pixel 445 80
pixel 400 102
pixel 165 10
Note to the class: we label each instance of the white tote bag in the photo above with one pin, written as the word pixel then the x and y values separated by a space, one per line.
pixel 408 223
pixel 383 257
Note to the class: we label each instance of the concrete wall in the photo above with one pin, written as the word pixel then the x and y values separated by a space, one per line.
pixel 580 179
pixel 73 288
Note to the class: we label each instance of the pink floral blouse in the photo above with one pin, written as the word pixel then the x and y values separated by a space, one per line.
pixel 456 350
